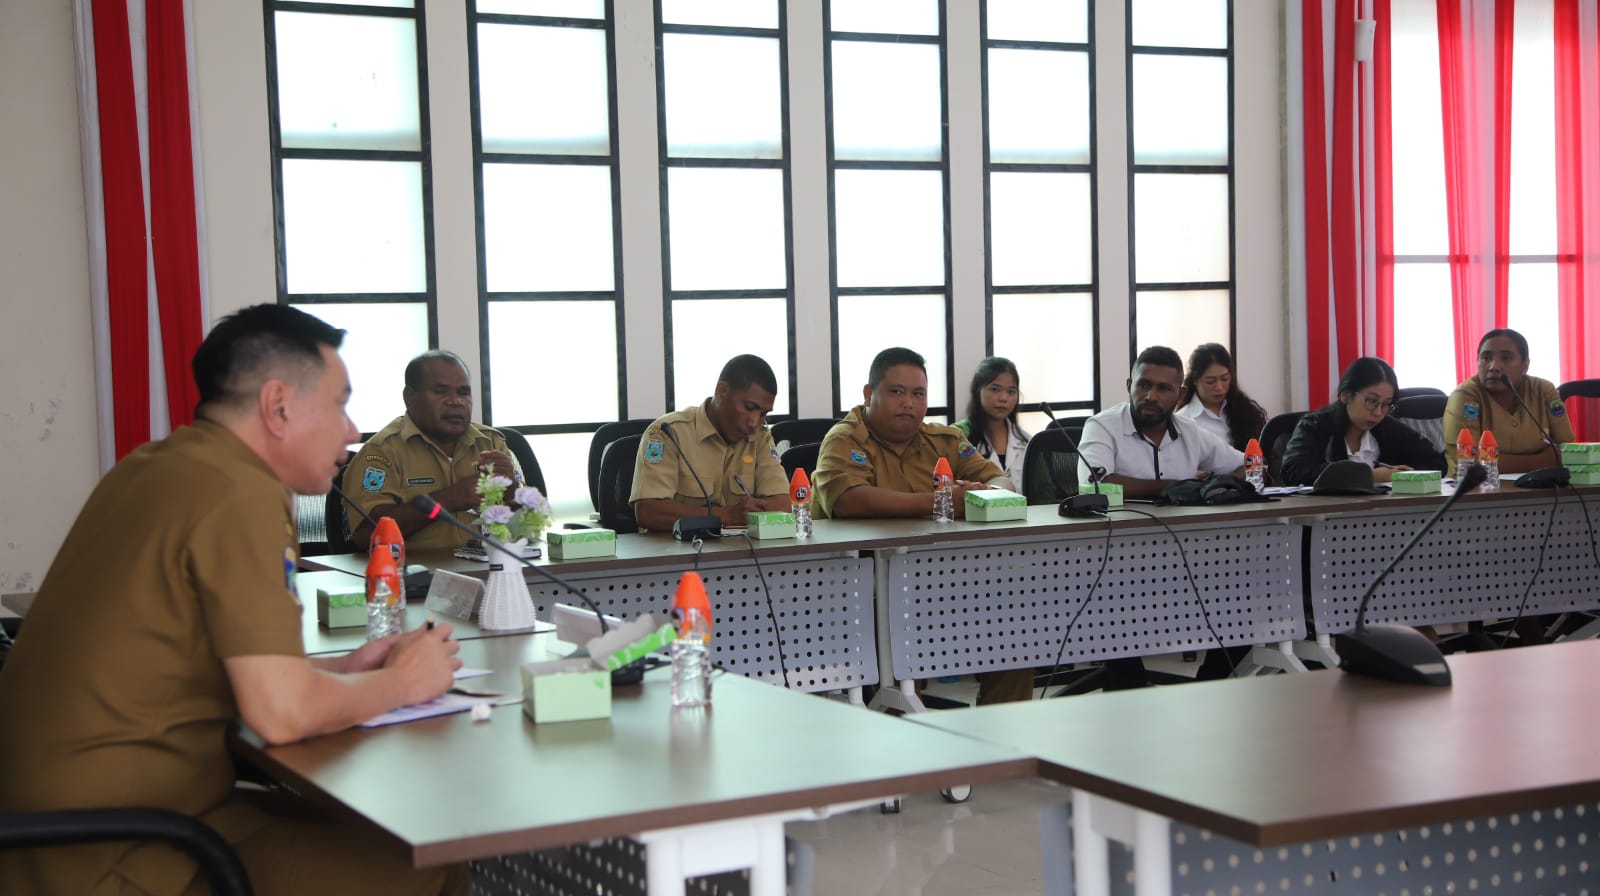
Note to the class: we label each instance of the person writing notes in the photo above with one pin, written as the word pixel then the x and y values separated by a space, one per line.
pixel 1358 426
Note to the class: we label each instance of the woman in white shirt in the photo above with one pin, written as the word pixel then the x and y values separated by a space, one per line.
pixel 1213 399
pixel 991 421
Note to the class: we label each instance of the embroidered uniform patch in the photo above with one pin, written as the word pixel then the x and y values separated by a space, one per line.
pixel 966 449
pixel 1471 411
pixel 1557 409
pixel 858 458
pixel 289 564
pixel 654 451
pixel 773 452
pixel 373 479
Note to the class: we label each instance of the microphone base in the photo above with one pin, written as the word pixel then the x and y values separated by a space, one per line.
pixel 633 673
pixel 692 527
pixel 1392 653
pixel 1545 477
pixel 1085 505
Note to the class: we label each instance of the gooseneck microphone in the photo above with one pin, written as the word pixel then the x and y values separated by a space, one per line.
pixel 1399 652
pixel 1544 477
pixel 1094 504
pixel 690 528
pixel 352 505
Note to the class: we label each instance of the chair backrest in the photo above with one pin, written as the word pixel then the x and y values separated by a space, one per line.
pixel 1050 465
pixel 605 435
pixel 217 860
pixel 311 524
pixel 1425 414
pixel 523 452
pixel 1412 391
pixel 1582 398
pixel 800 431
pixel 800 457
pixel 1275 440
pixel 616 484
pixel 336 519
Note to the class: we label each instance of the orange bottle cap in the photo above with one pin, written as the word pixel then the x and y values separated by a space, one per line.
pixel 1465 440
pixel 691 595
pixel 387 531
pixel 942 468
pixel 800 486
pixel 1253 449
pixel 1488 440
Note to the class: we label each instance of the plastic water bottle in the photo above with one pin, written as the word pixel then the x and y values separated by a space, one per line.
pixel 386 603
pixel 1489 456
pixel 1255 466
pixel 800 502
pixel 386 536
pixel 1466 453
pixel 944 492
pixel 691 661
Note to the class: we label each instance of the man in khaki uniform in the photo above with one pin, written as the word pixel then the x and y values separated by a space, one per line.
pixel 878 462
pixel 170 611
pixel 726 441
pixel 434 449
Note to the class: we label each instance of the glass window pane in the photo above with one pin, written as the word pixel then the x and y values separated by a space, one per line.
pixel 1533 130
pixel 1051 339
pixel 564 460
pixel 547 228
pixel 1420 227
pixel 1039 106
pixel 705 76
pixel 1181 320
pixel 730 13
pixel 1066 21
pixel 889 228
pixel 381 339
pixel 1180 110
pixel 567 9
pixel 543 89
pixel 1179 23
pixel 886 101
pixel 1422 305
pixel 1535 312
pixel 726 228
pixel 763 328
pixel 531 341
pixel 885 16
pixel 1180 227
pixel 870 324
pixel 1040 228
pixel 353 226
pixel 347 82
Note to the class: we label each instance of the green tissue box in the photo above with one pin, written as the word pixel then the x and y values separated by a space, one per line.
pixel 992 505
pixel 771 524
pixel 576 544
pixel 342 609
pixel 1111 490
pixel 565 691
pixel 1585 474
pixel 1580 453
pixel 1416 482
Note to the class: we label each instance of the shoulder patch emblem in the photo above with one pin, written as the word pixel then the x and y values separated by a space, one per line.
pixel 373 479
pixel 654 451
pixel 857 458
pixel 1471 411
pixel 966 449
pixel 774 453
pixel 290 563
pixel 1557 408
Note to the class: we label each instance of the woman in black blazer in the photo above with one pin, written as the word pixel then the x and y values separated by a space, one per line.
pixel 1358 426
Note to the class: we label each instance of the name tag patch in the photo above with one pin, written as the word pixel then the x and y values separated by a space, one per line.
pixel 373 479
pixel 421 480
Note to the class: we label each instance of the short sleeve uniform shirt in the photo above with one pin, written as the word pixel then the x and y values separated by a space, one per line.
pixel 851 455
pixel 660 472
pixel 1110 440
pixel 399 462
pixel 1471 407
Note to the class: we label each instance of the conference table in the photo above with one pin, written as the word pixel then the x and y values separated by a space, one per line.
pixel 1387 787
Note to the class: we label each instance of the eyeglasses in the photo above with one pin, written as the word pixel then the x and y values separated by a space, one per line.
pixel 1374 403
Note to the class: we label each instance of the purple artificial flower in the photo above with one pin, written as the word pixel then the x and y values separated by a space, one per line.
pixel 500 481
pixel 499 514
pixel 529 497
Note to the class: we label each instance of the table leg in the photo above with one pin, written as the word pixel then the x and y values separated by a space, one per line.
pixel 1152 855
pixel 1091 864
pixel 663 866
pixel 1056 845
pixel 770 873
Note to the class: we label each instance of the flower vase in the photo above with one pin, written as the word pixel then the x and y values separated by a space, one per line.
pixel 507 605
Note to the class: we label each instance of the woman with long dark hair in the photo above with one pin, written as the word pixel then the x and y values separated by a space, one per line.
pixel 1213 399
pixel 1358 426
pixel 991 421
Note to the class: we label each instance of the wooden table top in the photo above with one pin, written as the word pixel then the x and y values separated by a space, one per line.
pixel 1311 755
pixel 449 789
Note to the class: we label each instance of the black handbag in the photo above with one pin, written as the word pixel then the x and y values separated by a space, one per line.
pixel 1210 492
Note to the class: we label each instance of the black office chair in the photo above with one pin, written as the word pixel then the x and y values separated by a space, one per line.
pixel 310 522
pixel 1050 465
pixel 1582 398
pixel 797 457
pixel 1425 414
pixel 336 519
pixel 616 484
pixel 1413 391
pixel 523 452
pixel 1580 388
pixel 1275 440
pixel 800 431
pixel 605 435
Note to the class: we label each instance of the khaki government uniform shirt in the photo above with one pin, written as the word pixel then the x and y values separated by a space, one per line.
pixel 851 455
pixel 117 696
pixel 1472 407
pixel 658 470
pixel 399 462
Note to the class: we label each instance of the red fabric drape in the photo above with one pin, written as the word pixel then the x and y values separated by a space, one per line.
pixel 1574 177
pixel 1316 207
pixel 1458 83
pixel 1383 178
pixel 1345 196
pixel 1504 23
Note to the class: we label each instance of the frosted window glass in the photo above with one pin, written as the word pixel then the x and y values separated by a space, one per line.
pixel 700 326
pixel 1040 228
pixel 870 324
pixel 1422 308
pixel 567 9
pixel 1181 320
pixel 1179 23
pixel 1180 227
pixel 1180 110
pixel 726 228
pixel 1051 339
pixel 705 77
pixel 564 460
pixel 1535 312
pixel 543 89
pixel 886 102
pixel 730 13
pixel 380 340
pixel 1533 147
pixel 1420 226
pixel 1066 21
pixel 532 342
pixel 353 226
pixel 1038 106
pixel 547 228
pixel 889 228
pixel 347 82
pixel 885 16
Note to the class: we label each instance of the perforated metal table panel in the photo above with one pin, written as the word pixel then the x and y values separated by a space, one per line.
pixel 1474 565
pixel 1005 602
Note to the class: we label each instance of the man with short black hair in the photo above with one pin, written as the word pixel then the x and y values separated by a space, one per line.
pixel 171 610
pixel 726 441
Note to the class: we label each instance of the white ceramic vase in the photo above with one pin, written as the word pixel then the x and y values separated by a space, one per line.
pixel 507 605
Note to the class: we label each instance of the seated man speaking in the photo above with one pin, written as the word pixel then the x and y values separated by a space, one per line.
pixel 725 441
pixel 434 449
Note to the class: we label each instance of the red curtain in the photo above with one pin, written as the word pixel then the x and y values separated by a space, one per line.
pixel 1577 176
pixel 1465 202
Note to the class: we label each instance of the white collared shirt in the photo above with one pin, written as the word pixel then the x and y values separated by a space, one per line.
pixel 1110 440
pixel 1216 424
pixel 1368 452
pixel 1016 452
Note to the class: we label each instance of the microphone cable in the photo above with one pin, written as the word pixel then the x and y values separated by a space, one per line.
pixel 1539 568
pixel 1104 558
pixel 777 631
pixel 1184 556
